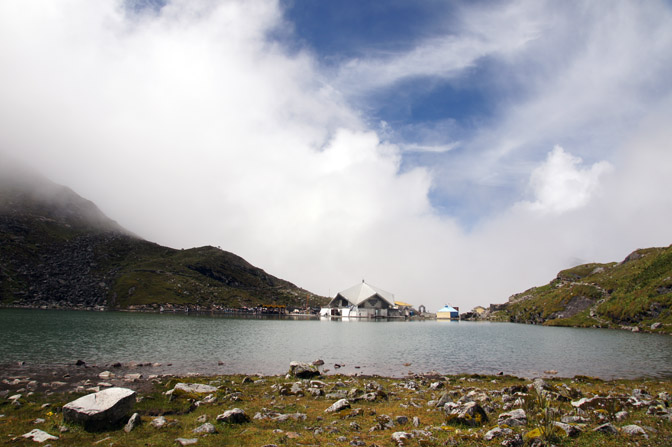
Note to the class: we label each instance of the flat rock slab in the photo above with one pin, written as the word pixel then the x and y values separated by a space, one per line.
pixel 196 388
pixel 39 436
pixel 100 410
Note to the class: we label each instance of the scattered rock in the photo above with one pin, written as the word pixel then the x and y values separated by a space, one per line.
pixel 133 422
pixel 186 441
pixel 513 418
pixel 607 428
pixel 132 377
pixel 338 394
pixel 80 363
pixel 39 436
pixel 497 432
pixel 159 422
pixel 471 414
pixel 303 370
pixel 621 416
pixel 570 430
pixel 590 403
pixel 401 437
pixel 193 388
pixel 338 406
pixel 516 440
pixel 656 325
pixel 401 420
pixel 634 430
pixel 206 428
pixel 100 410
pixel 234 416
pixel 575 420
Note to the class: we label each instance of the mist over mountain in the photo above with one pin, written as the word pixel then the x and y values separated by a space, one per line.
pixel 60 250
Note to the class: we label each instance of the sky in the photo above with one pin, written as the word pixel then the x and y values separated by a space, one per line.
pixel 445 151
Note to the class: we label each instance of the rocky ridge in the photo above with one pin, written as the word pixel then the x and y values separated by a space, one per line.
pixel 635 294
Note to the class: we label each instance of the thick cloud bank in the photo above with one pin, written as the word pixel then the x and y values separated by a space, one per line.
pixel 194 124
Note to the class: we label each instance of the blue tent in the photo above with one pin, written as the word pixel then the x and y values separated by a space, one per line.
pixel 448 312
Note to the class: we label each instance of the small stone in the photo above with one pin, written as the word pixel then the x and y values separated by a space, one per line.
pixel 634 430
pixel 158 422
pixel 206 428
pixel 186 441
pixel 471 414
pixel 202 418
pixel 570 430
pixel 234 416
pixel 338 406
pixel 105 375
pixel 497 432
pixel 132 377
pixel 401 437
pixel 513 418
pixel 401 420
pixel 621 416
pixel 133 422
pixel 607 428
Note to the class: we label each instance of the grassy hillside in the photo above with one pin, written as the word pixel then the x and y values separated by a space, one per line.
pixel 59 250
pixel 636 293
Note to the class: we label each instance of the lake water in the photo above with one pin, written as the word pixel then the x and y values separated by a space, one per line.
pixel 196 343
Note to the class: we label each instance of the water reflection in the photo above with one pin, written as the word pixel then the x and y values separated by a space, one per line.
pixel 248 345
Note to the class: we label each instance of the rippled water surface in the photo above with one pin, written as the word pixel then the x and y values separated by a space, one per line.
pixel 197 343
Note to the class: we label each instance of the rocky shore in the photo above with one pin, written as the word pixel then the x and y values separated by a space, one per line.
pixel 304 407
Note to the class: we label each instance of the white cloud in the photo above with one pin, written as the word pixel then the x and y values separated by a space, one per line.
pixel 191 127
pixel 485 31
pixel 560 184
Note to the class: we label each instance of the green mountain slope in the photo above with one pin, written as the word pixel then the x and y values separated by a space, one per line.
pixel 636 293
pixel 59 250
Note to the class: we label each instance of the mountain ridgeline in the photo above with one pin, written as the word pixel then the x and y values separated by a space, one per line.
pixel 634 294
pixel 59 250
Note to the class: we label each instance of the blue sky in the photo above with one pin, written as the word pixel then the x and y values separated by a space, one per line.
pixel 422 145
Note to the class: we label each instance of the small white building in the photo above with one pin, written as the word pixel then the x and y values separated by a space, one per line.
pixel 361 301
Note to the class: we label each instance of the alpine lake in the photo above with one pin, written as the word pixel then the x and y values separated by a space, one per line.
pixel 221 344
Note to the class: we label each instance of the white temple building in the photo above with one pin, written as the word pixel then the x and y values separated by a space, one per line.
pixel 361 301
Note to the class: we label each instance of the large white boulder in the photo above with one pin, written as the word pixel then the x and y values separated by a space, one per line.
pixel 100 410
